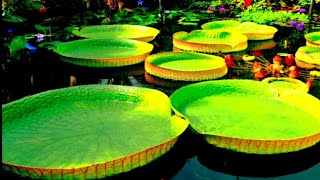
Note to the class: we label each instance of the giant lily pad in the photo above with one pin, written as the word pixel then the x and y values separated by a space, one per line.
pixel 308 57
pixel 223 25
pixel 208 41
pixel 245 116
pixel 87 132
pixel 186 66
pixel 104 52
pixel 256 31
pixel 137 32
pixel 313 39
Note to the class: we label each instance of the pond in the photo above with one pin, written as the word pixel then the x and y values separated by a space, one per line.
pixel 44 70
pixel 191 158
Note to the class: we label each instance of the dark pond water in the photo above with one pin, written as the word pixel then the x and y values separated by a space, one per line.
pixel 191 158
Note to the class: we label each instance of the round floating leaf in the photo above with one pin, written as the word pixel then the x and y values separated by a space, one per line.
pixel 308 57
pixel 246 116
pixel 104 52
pixel 256 31
pixel 186 66
pixel 223 25
pixel 209 41
pixel 137 32
pixel 313 39
pixel 87 132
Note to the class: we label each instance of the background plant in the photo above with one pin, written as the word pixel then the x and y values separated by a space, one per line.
pixel 270 17
pixel 20 7
pixel 46 37
pixel 138 16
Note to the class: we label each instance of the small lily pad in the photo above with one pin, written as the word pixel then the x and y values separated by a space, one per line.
pixel 137 32
pixel 186 66
pixel 308 57
pixel 210 41
pixel 256 31
pixel 313 39
pixel 104 52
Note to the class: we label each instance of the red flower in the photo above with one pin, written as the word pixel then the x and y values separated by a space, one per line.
pixel 42 10
pixel 310 83
pixel 230 61
pixel 275 69
pixel 277 59
pixel 247 2
pixel 257 53
pixel 294 74
pixel 289 60
pixel 256 67
pixel 259 75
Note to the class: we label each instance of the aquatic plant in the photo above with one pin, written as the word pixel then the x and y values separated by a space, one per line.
pixel 137 32
pixel 138 16
pixel 308 57
pixel 185 66
pixel 207 41
pixel 313 39
pixel 107 52
pixel 17 10
pixel 225 120
pixel 138 130
pixel 271 17
pixel 44 37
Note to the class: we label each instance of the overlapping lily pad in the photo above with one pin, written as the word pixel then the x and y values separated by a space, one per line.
pixel 246 116
pixel 308 57
pixel 223 25
pixel 137 32
pixel 313 39
pixel 284 84
pixel 186 66
pixel 87 132
pixel 256 31
pixel 104 52
pixel 208 41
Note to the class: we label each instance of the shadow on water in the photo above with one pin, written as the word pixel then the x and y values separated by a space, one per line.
pixel 253 165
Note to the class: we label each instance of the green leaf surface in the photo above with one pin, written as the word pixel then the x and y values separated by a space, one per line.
pixel 17 43
pixel 313 37
pixel 103 48
pixel 13 18
pixel 85 125
pixel 244 109
pixel 309 54
pixel 213 37
pixel 186 61
pixel 118 31
pixel 223 25
pixel 42 28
